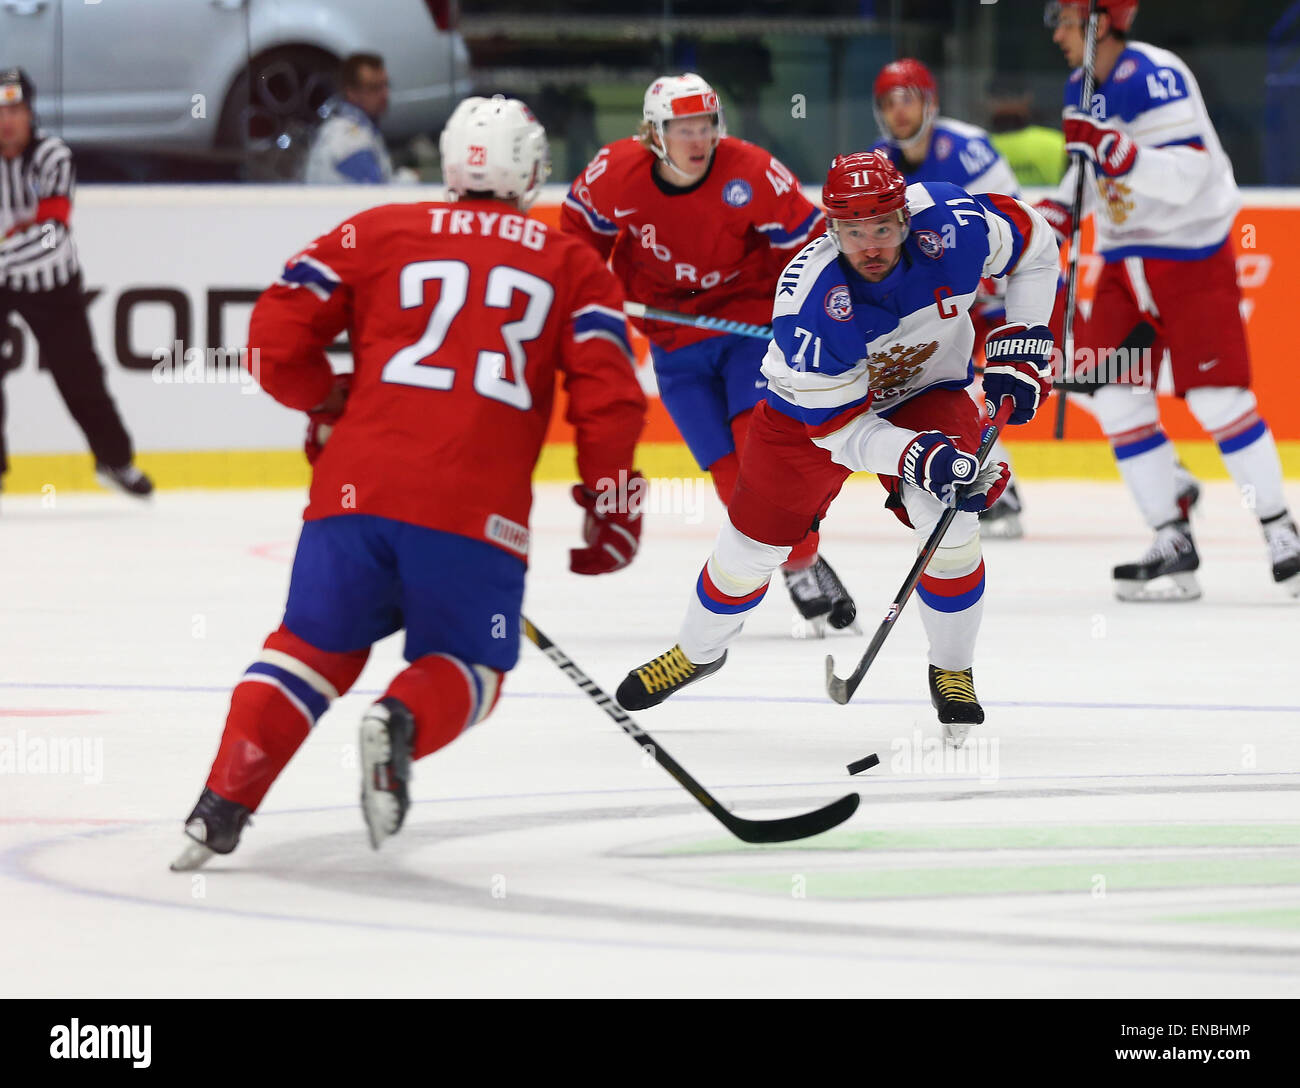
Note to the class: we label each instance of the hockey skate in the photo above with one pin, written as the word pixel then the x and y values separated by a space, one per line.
pixel 1284 550
pixel 212 828
pixel 952 691
pixel 1165 572
pixel 1002 519
pixel 128 479
pixel 387 736
pixel 652 683
pixel 820 597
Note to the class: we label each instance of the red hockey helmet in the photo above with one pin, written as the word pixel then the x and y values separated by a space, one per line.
pixel 865 185
pixel 906 75
pixel 1121 12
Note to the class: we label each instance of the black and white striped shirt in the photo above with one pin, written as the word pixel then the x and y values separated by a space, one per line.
pixel 36 248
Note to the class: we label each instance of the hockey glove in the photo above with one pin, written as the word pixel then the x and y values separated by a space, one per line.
pixel 612 528
pixel 1018 364
pixel 1058 217
pixel 321 419
pixel 932 463
pixel 1112 151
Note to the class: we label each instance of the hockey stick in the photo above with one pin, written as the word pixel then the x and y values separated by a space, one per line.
pixel 842 690
pixel 698 321
pixel 783 830
pixel 1076 231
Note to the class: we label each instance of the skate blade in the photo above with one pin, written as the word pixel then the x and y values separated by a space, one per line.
pixel 194 856
pixel 379 808
pixel 820 628
pixel 1182 586
pixel 1007 527
pixel 1291 585
pixel 955 733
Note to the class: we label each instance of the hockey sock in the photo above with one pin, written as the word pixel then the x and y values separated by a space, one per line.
pixel 950 596
pixel 803 554
pixel 1130 419
pixel 445 696
pixel 1251 455
pixel 730 586
pixel 1146 460
pixel 273 708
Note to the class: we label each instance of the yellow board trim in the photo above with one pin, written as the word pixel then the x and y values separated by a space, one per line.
pixel 35 473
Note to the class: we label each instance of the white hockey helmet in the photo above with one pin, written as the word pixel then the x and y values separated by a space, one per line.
pixel 495 145
pixel 671 97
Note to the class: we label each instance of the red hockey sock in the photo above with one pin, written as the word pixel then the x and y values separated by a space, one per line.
pixel 273 708
pixel 446 697
pixel 803 554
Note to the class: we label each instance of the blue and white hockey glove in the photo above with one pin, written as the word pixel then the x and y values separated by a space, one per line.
pixel 1018 364
pixel 932 463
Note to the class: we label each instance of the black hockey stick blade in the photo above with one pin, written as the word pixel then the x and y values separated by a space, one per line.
pixel 791 828
pixel 787 829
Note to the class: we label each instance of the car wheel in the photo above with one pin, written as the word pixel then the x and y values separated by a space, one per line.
pixel 275 103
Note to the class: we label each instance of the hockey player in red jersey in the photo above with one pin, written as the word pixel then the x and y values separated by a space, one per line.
pixel 698 222
pixel 1164 200
pixel 460 314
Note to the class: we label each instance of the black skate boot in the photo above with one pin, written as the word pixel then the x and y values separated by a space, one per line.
pixel 128 478
pixel 1284 549
pixel 1172 556
pixel 1189 491
pixel 953 694
pixel 387 736
pixel 820 597
pixel 1002 519
pixel 652 683
pixel 212 828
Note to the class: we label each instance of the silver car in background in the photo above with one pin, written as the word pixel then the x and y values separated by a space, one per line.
pixel 252 74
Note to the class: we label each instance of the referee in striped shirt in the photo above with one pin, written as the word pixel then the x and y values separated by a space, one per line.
pixel 40 279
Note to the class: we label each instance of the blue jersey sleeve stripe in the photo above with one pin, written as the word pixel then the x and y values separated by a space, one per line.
pixel 593 321
pixel 302 274
pixel 781 238
pixel 1192 141
pixel 597 223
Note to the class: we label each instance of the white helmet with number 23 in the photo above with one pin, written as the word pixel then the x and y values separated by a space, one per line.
pixel 495 145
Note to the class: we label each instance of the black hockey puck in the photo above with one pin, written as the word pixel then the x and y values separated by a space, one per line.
pixel 866 763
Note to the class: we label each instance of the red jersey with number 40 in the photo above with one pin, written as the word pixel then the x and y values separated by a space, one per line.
pixel 714 248
pixel 460 316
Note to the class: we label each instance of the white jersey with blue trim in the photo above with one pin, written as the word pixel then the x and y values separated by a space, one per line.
pixel 1180 199
pixel 845 351
pixel 959 154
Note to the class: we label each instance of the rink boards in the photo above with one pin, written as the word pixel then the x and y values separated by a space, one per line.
pixel 173 272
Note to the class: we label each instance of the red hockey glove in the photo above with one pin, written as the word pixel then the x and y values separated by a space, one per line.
pixel 1058 217
pixel 321 419
pixel 1017 364
pixel 613 534
pixel 1113 152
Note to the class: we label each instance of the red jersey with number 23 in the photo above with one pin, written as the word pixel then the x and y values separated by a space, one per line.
pixel 460 316
pixel 716 247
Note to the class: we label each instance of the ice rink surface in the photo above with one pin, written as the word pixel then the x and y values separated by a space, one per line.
pixel 1128 823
